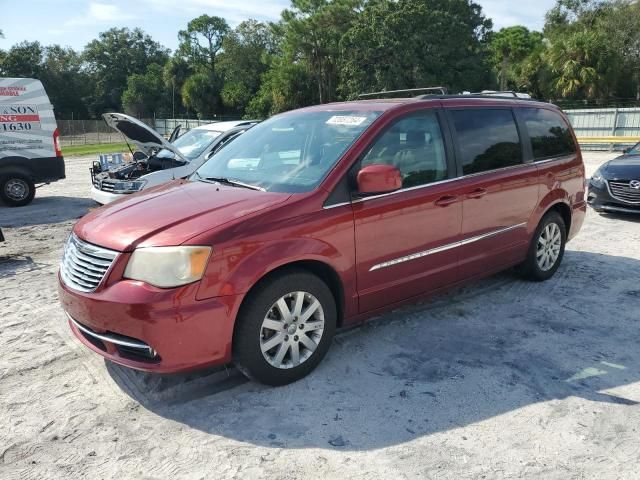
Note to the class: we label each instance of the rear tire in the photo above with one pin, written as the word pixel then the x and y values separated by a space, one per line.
pixel 17 189
pixel 547 248
pixel 284 328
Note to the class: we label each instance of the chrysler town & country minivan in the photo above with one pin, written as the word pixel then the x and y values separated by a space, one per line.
pixel 317 219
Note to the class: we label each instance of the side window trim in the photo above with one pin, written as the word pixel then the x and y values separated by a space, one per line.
pixel 456 141
pixel 525 139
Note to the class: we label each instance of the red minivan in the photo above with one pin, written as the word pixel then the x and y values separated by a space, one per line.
pixel 317 219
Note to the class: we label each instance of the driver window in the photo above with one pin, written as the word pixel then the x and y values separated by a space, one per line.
pixel 413 145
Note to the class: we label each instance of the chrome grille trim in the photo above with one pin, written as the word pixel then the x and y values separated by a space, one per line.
pixel 113 338
pixel 620 190
pixel 84 266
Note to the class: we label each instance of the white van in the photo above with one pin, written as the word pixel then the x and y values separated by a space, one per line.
pixel 160 160
pixel 29 144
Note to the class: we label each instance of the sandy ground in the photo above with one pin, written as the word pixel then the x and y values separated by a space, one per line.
pixel 500 379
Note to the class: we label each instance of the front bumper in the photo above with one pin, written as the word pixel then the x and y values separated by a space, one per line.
pixel 152 329
pixel 105 197
pixel 601 200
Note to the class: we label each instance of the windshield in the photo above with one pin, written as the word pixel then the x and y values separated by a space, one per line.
pixel 288 153
pixel 635 150
pixel 191 144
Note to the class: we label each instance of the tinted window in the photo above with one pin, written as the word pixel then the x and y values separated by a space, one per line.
pixel 488 139
pixel 414 145
pixel 549 133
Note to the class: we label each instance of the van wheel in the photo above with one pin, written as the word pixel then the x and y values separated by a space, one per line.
pixel 16 189
pixel 546 249
pixel 284 328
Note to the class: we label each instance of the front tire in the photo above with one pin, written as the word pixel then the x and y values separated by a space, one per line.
pixel 17 189
pixel 284 328
pixel 547 248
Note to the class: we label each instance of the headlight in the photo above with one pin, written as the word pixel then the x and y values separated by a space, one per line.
pixel 167 267
pixel 129 187
pixel 597 180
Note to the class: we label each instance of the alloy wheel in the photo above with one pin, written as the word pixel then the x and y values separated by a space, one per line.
pixel 291 330
pixel 548 248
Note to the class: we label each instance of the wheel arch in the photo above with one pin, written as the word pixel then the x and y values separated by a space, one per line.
pixel 10 165
pixel 320 269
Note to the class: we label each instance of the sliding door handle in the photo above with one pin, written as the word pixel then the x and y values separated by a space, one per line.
pixel 446 200
pixel 477 193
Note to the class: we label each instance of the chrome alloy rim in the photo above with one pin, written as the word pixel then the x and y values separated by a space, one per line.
pixel 548 249
pixel 292 329
pixel 16 189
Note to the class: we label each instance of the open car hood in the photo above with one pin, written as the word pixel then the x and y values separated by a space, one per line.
pixel 143 136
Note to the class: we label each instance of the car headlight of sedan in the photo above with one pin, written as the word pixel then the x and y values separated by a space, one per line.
pixel 167 267
pixel 597 180
pixel 129 187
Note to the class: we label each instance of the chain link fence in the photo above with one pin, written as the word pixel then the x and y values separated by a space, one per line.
pixel 93 132
pixel 89 132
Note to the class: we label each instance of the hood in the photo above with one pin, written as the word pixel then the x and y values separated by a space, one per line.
pixel 170 214
pixel 625 167
pixel 142 135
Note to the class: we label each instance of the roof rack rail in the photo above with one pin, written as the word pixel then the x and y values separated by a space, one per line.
pixel 440 90
pixel 499 93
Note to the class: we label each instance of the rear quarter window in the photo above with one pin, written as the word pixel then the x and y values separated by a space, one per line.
pixel 549 133
pixel 487 139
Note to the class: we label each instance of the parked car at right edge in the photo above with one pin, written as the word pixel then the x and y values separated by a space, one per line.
pixel 615 186
pixel 317 219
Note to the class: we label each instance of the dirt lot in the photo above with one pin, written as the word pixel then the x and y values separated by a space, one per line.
pixel 502 378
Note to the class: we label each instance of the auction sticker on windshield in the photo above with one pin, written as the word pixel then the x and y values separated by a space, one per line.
pixel 345 120
pixel 17 118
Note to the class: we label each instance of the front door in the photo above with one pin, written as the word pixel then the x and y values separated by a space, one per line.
pixel 405 240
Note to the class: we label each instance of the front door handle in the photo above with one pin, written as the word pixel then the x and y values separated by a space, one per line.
pixel 446 200
pixel 477 193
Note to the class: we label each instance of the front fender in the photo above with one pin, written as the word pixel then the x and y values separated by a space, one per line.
pixel 234 270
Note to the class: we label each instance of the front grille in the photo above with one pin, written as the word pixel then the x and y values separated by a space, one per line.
pixel 104 185
pixel 83 265
pixel 621 190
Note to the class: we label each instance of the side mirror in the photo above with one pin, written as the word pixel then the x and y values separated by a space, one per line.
pixel 378 178
pixel 626 150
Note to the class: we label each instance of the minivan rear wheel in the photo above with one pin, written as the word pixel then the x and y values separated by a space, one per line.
pixel 284 328
pixel 547 248
pixel 17 189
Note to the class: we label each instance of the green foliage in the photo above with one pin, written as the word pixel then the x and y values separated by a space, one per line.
pixel 327 50
pixel 112 58
pixel 245 58
pixel 414 43
pixel 146 95
pixel 509 48
pixel 202 40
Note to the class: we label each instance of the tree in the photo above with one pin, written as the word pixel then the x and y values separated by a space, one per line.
pixel 201 42
pixel 175 73
pixel 311 33
pixel 112 58
pixel 509 46
pixel 415 43
pixel 200 45
pixel 146 94
pixel 245 58
pixel 23 60
pixel 201 93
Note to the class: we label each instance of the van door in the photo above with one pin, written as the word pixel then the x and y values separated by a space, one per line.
pixel 405 240
pixel 500 190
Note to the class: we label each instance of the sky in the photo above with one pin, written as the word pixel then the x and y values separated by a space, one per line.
pixel 76 22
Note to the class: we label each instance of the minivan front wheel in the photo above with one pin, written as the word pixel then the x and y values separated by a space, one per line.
pixel 284 328
pixel 16 189
pixel 546 249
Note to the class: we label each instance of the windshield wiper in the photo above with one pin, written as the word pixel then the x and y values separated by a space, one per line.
pixel 231 182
